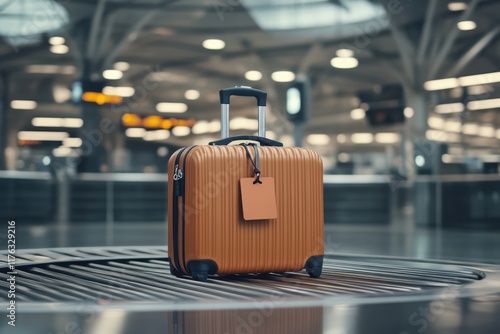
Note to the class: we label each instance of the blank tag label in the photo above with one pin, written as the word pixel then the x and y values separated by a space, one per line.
pixel 258 200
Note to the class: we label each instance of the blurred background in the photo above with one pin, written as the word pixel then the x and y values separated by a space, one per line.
pixel 399 97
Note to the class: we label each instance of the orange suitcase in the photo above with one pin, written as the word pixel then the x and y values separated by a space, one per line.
pixel 235 209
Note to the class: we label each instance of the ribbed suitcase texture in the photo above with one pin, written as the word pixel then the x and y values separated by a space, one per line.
pixel 210 224
pixel 264 320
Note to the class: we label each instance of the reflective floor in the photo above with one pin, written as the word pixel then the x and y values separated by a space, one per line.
pixel 406 241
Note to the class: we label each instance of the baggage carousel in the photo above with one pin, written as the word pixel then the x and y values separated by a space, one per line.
pixel 114 290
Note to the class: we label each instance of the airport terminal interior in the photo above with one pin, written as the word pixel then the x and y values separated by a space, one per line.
pixel 399 99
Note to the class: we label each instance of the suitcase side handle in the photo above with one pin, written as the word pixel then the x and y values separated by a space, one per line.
pixel 262 140
pixel 225 95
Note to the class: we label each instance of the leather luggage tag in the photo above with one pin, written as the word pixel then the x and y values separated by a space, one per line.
pixel 259 199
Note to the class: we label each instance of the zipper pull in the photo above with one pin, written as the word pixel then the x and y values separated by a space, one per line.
pixel 177 178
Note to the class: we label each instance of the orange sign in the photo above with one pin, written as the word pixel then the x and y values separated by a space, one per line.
pixel 155 122
pixel 101 98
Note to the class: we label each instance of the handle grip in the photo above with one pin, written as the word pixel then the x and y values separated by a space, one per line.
pixel 262 140
pixel 226 93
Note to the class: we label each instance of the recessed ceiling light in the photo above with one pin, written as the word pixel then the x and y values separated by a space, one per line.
pixel 72 142
pixel 241 123
pixel 121 66
pixel 457 6
pixel 344 63
pixel 51 69
pixel 362 138
pixel 409 112
pixel 435 122
pixel 346 53
pixel 214 44
pixel 23 104
pixel 112 74
pixel 318 139
pixel 470 129
pixel 344 157
pixel 487 131
pixel 192 94
pixel 156 135
pixel 56 40
pixel 498 134
pixel 59 49
pixel 120 91
pixel 386 138
pixel 253 75
pixel 453 126
pixel 484 104
pixel 42 135
pixel 357 113
pixel 466 25
pixel 181 131
pixel 283 76
pixel 449 108
pixel 172 107
pixel 441 84
pixel 135 132
pixel 341 138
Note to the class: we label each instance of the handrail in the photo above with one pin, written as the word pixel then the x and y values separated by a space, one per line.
pixel 25 175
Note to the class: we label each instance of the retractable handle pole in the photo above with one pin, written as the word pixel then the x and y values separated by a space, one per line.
pixel 225 95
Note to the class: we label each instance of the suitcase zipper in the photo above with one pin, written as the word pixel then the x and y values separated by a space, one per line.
pixel 175 210
pixel 179 178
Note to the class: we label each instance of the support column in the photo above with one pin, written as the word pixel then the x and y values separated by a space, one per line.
pixel 4 109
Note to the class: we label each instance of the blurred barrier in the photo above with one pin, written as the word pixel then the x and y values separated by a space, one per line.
pixel 38 197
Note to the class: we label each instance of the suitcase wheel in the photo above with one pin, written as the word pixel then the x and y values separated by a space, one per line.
pixel 314 266
pixel 200 276
pixel 200 269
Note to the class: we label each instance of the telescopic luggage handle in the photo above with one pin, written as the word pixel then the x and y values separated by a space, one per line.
pixel 225 95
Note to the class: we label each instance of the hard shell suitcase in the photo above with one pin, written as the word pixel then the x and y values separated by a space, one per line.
pixel 207 230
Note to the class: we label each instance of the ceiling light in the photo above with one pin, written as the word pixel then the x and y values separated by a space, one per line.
pixel 112 74
pixel 214 125
pixel 201 127
pixel 253 75
pixel 42 135
pixel 62 152
pixel 241 123
pixel 435 122
pixel 72 142
pixel 283 76
pixel 386 138
pixel 318 139
pixel 362 138
pixel 172 107
pixel 470 129
pixel 486 131
pixel 449 108
pixel 59 49
pixel 441 84
pixel 483 104
pixel 61 93
pixel 453 126
pixel 341 138
pixel 56 40
pixel 466 25
pixel 345 53
pixel 51 69
pixel 121 66
pixel 181 131
pixel 214 44
pixel 287 141
pixel 480 79
pixel 156 135
pixel 192 94
pixel 408 112
pixel 357 113
pixel 436 135
pixel 271 135
pixel 457 6
pixel 72 122
pixel 498 134
pixel 135 132
pixel 344 63
pixel 120 91
pixel 55 122
pixel 23 104
pixel 344 157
